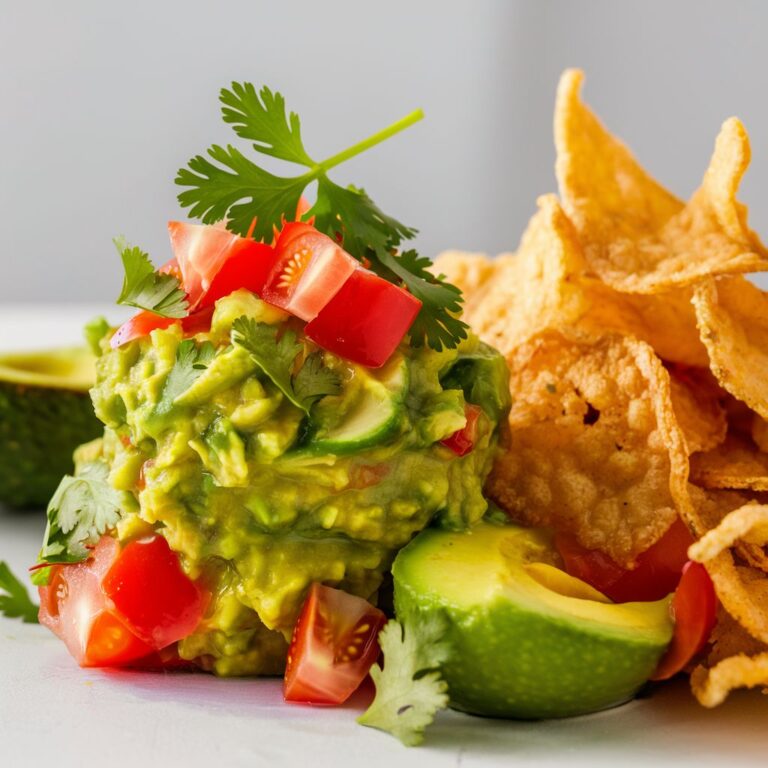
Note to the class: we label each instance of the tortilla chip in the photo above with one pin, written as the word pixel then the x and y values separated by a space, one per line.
pixel 734 464
pixel 736 660
pixel 696 399
pixel 759 432
pixel 594 446
pixel 637 236
pixel 742 589
pixel 733 322
pixel 546 286
pixel 470 272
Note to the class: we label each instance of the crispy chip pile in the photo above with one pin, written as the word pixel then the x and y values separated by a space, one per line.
pixel 639 371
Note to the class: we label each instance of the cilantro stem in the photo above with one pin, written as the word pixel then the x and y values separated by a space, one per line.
pixel 372 141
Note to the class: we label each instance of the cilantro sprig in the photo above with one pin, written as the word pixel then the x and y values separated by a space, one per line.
pixel 277 355
pixel 145 288
pixel 81 510
pixel 14 598
pixel 226 184
pixel 409 689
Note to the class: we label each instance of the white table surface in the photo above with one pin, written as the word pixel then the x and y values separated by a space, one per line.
pixel 54 714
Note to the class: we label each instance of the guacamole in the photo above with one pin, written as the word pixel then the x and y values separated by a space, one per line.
pixel 261 497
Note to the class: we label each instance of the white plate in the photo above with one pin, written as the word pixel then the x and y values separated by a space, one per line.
pixel 54 714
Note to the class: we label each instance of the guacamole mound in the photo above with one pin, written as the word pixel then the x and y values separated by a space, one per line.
pixel 260 499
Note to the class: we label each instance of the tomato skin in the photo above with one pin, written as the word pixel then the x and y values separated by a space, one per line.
pixel 463 440
pixel 309 270
pixel 694 610
pixel 333 647
pixel 656 574
pixel 152 594
pixel 94 606
pixel 366 320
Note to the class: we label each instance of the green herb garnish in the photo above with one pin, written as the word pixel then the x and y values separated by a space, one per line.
pixel 146 289
pixel 228 185
pixel 81 510
pixel 14 598
pixel 277 354
pixel 409 689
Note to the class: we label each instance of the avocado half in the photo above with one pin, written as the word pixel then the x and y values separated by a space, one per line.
pixel 45 413
pixel 527 640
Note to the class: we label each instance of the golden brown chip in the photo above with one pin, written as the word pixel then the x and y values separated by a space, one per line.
pixel 742 590
pixel 470 272
pixel 696 400
pixel 734 464
pixel 546 286
pixel 594 445
pixel 638 237
pixel 734 661
pixel 759 432
pixel 733 321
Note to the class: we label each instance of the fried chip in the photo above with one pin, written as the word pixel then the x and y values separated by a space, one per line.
pixel 735 660
pixel 470 272
pixel 749 522
pixel 742 589
pixel 735 464
pixel 759 432
pixel 546 286
pixel 696 400
pixel 594 446
pixel 637 236
pixel 733 322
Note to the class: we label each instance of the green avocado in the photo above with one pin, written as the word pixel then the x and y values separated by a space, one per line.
pixel 528 640
pixel 45 413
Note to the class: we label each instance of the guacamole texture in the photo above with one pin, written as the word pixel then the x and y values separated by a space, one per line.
pixel 261 498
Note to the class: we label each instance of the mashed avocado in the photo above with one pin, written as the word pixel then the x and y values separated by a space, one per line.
pixel 261 499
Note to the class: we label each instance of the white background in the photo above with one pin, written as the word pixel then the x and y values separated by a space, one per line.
pixel 102 101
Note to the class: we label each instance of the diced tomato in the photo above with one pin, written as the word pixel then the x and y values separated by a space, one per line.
pixel 248 266
pixel 656 574
pixel 463 440
pixel 144 323
pixel 152 594
pixel 74 607
pixel 309 270
pixel 333 647
pixel 694 610
pixel 366 320
pixel 138 326
pixel 79 603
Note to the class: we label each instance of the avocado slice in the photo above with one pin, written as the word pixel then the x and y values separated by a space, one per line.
pixel 528 640
pixel 45 413
pixel 371 418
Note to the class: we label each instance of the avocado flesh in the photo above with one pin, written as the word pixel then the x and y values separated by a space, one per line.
pixel 45 413
pixel 528 641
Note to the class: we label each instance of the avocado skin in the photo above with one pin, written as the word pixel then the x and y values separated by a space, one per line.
pixel 509 661
pixel 40 427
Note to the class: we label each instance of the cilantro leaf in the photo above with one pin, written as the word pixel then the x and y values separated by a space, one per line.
pixel 261 117
pixel 276 354
pixel 437 323
pixel 191 361
pixel 14 598
pixel 409 689
pixel 315 380
pixel 146 289
pixel 81 510
pixel 240 194
pixel 232 187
